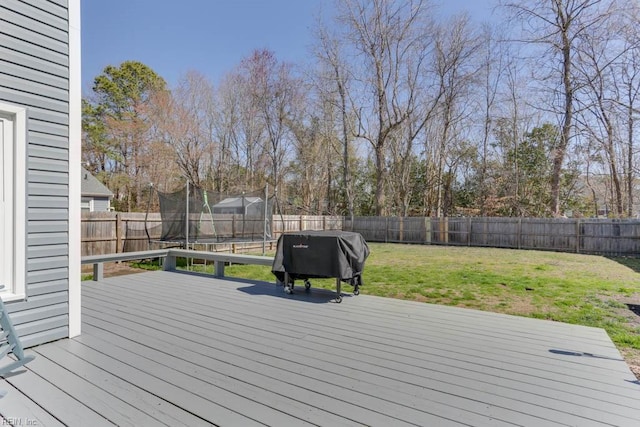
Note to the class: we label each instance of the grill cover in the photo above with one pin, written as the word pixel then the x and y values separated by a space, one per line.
pixel 320 254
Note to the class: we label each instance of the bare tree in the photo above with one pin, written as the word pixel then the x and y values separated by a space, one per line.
pixel 492 69
pixel 334 86
pixel 627 81
pixel 455 69
pixel 386 38
pixel 246 132
pixel 557 25
pixel 228 173
pixel 599 113
pixel 184 118
pixel 274 92
pixel 629 87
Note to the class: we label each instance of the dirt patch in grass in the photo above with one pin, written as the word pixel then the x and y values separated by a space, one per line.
pixel 523 306
pixel 629 308
pixel 632 357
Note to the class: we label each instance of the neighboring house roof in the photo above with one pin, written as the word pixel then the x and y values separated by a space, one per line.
pixel 92 187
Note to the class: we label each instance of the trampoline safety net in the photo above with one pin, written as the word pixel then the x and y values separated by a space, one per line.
pixel 215 217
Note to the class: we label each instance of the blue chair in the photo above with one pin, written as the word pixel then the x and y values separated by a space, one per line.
pixel 9 342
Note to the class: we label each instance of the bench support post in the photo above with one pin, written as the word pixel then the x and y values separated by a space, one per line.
pixel 219 268
pixel 98 271
pixel 169 263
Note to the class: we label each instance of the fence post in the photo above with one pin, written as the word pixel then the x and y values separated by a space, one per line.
pixel 119 232
pixel 577 235
pixel 401 227
pixel 386 229
pixel 446 229
pixel 427 230
pixel 468 231
pixel 519 232
pixel 301 224
pixel 484 232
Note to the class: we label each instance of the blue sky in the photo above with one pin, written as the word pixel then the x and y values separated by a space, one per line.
pixel 210 36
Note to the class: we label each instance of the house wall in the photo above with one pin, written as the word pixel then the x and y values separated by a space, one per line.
pixel 100 204
pixel 34 74
pixel 95 204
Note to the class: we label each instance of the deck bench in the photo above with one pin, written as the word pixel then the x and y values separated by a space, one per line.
pixel 171 255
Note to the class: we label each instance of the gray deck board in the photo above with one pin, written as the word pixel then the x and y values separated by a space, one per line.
pixel 16 409
pixel 324 377
pixel 288 372
pixel 184 349
pixel 138 400
pixel 186 398
pixel 224 374
pixel 52 399
pixel 120 412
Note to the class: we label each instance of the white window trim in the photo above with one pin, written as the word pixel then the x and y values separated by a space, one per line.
pixel 15 245
pixel 75 174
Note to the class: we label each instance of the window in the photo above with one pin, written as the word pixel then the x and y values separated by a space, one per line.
pixel 85 204
pixel 13 142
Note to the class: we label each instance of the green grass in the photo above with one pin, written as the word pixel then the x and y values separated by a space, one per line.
pixel 573 288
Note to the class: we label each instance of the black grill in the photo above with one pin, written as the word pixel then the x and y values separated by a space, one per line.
pixel 321 254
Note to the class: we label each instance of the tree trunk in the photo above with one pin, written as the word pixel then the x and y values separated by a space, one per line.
pixel 380 180
pixel 630 162
pixel 561 150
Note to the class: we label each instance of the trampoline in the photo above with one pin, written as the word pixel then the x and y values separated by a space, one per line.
pixel 320 254
pixel 194 215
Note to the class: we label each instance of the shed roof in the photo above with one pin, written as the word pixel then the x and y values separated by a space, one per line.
pixel 237 202
pixel 92 187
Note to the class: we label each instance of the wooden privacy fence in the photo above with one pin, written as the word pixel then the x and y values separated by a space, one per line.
pixel 613 237
pixel 116 232
pixel 109 232
pixel 285 223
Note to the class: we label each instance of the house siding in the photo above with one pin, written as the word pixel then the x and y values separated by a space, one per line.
pixel 100 204
pixel 34 74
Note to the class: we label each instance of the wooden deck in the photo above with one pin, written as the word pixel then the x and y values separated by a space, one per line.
pixel 170 348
